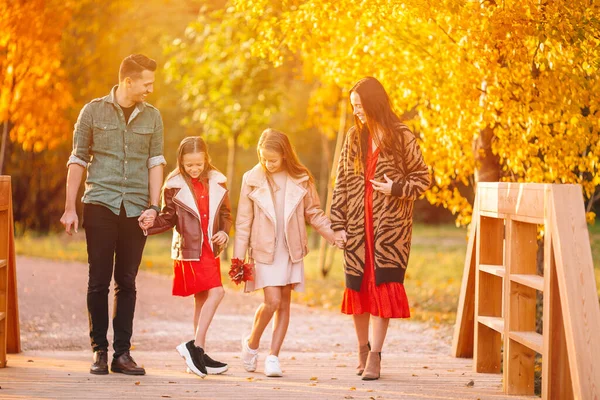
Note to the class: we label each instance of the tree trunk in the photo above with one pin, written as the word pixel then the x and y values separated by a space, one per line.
pixel 324 174
pixel 231 159
pixel 488 169
pixel 324 261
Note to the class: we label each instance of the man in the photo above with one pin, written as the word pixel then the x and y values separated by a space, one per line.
pixel 119 139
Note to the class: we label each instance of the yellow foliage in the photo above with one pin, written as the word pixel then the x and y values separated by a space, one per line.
pixel 528 70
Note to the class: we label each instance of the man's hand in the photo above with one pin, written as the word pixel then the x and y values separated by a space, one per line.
pixel 146 220
pixel 70 220
pixel 383 187
pixel 220 238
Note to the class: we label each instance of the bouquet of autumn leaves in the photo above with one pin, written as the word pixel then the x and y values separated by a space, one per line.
pixel 240 271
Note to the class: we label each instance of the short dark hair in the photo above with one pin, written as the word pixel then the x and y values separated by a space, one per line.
pixel 133 65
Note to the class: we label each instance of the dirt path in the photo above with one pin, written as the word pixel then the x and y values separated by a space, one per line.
pixel 53 315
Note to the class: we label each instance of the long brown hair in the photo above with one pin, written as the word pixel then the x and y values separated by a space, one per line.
pixel 380 116
pixel 192 144
pixel 277 141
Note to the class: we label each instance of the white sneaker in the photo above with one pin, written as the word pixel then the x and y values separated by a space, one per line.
pixel 249 356
pixel 272 367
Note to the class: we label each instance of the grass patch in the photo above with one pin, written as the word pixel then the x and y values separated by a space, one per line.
pixel 432 282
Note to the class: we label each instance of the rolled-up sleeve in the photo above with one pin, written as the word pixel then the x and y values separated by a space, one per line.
pixel 82 138
pixel 156 156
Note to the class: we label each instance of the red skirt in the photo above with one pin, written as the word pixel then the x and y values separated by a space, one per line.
pixel 191 277
pixel 387 300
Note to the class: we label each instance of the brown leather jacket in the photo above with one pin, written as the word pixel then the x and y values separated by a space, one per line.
pixel 255 222
pixel 180 211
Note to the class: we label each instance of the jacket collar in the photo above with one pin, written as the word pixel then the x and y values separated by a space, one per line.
pixel 294 192
pixel 186 198
pixel 112 98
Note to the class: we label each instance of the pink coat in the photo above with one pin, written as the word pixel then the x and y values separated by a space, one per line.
pixel 255 223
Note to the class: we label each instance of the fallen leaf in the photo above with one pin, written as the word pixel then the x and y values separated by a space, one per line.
pixel 341 365
pixel 425 367
pixel 352 388
pixel 313 378
pixel 415 375
pixel 29 360
pixel 137 383
pixel 166 396
pixel 471 383
pixel 172 382
pixel 292 358
pixel 249 379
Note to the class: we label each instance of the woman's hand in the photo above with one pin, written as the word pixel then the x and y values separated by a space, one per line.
pixel 220 238
pixel 383 187
pixel 340 239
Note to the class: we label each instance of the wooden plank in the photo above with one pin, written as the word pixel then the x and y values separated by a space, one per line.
pixel 530 339
pixel 464 328
pixel 496 323
pixel 3 263
pixel 526 200
pixel 533 281
pixel 496 270
pixel 577 288
pixel 492 214
pixel 519 374
pixel 490 241
pixel 487 355
pixel 13 329
pixel 488 350
pixel 522 308
pixel 556 375
pixel 65 375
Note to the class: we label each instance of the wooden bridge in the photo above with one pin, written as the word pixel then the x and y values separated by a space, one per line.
pixel 493 325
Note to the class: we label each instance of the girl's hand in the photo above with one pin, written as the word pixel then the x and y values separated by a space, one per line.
pixel 383 187
pixel 220 238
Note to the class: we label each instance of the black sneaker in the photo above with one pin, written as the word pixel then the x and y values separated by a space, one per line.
pixel 193 357
pixel 214 367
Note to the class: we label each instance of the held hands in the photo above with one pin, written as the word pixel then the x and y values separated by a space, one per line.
pixel 383 187
pixel 340 239
pixel 146 220
pixel 69 220
pixel 219 238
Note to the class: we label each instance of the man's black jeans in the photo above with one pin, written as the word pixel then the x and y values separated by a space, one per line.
pixel 112 241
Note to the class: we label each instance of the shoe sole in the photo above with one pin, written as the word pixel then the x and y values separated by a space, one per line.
pixel 274 375
pixel 216 371
pixel 99 372
pixel 182 350
pixel 122 371
pixel 211 371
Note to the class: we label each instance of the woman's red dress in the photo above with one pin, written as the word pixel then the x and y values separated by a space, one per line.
pixel 387 300
pixel 191 277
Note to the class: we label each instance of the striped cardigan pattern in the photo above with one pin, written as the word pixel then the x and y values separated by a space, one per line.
pixel 392 214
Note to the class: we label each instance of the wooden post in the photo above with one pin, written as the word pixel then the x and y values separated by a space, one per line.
pixel 9 311
pixel 570 346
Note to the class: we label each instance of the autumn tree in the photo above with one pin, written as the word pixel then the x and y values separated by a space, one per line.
pixel 230 94
pixel 505 90
pixel 34 92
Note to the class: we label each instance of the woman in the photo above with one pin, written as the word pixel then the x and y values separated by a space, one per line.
pixel 380 174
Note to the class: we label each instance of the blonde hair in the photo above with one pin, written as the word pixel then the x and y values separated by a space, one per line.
pixel 277 141
pixel 189 145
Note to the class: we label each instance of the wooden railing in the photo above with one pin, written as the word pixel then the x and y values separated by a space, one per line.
pixel 496 317
pixel 10 341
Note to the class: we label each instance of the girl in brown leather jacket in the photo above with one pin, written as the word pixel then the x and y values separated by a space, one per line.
pixel 196 205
